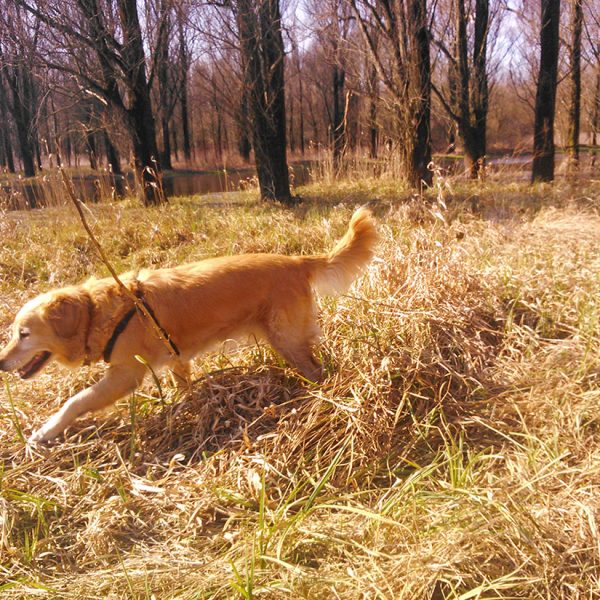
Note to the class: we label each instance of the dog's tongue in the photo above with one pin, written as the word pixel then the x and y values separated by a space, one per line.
pixel 34 365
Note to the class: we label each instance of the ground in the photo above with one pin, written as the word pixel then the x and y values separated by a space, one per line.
pixel 453 450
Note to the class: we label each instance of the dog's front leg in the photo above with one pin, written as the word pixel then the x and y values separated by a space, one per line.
pixel 116 383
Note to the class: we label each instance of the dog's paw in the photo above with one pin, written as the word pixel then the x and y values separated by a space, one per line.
pixel 43 435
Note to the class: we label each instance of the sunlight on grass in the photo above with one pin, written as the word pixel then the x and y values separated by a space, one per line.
pixel 451 452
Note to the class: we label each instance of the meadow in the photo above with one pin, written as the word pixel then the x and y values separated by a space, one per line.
pixel 453 450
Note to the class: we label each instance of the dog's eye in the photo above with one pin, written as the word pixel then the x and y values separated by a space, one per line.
pixel 23 333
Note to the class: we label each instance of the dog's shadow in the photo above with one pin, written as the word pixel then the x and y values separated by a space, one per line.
pixel 227 409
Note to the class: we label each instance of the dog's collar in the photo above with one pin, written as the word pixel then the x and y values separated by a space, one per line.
pixel 122 324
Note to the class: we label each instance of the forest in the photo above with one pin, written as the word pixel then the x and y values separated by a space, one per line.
pixel 159 85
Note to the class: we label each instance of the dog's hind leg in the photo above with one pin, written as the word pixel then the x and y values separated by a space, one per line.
pixel 293 335
pixel 117 382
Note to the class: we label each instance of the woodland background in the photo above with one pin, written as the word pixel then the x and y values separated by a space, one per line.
pixel 163 84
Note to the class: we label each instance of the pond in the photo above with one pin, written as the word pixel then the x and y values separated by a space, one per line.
pixel 48 190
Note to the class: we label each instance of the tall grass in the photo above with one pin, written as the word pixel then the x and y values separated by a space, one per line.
pixel 451 452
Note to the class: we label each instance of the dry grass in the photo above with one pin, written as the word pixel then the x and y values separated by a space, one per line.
pixel 452 452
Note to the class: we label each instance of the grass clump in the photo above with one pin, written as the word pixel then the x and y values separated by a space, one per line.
pixel 452 451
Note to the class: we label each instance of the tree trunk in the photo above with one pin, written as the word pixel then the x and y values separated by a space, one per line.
pixel 372 118
pixel 147 167
pixel 453 94
pixel 163 83
pixel 140 116
pixel 55 134
pixel 596 114
pixel 418 154
pixel 7 151
pixel 216 127
pixel 575 100
pixel 68 147
pixel 175 142
pixel 338 124
pixel 22 124
pixel 472 96
pixel 259 23
pixel 112 155
pixel 545 101
pixel 291 137
pixel 185 118
pixel 165 155
pixel 19 84
pixel 480 97
pixel 301 101
pixel 92 150
pixel 244 145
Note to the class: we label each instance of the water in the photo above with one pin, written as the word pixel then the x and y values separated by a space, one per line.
pixel 49 190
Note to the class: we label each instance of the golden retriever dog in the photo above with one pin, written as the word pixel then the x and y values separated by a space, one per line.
pixel 193 307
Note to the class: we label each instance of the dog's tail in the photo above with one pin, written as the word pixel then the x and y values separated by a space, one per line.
pixel 334 272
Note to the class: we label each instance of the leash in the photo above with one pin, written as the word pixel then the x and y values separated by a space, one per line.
pixel 122 325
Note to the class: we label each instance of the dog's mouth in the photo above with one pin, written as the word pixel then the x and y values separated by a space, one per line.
pixel 34 365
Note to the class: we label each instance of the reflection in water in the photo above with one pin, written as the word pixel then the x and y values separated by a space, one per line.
pixel 187 184
pixel 49 191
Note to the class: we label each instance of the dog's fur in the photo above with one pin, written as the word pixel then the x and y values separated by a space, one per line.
pixel 197 304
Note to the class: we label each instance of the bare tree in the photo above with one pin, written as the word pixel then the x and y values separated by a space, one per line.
pixel 18 37
pixel 184 65
pixel 403 65
pixel 575 76
pixel 6 149
pixel 165 85
pixel 545 100
pixel 106 56
pixel 468 97
pixel 372 83
pixel 300 79
pixel 332 28
pixel 261 45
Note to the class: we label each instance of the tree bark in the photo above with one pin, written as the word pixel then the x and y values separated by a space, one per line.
pixel 185 117
pixel 480 84
pixel 545 101
pixel 291 136
pixel 7 151
pixel 596 114
pixel 259 24
pixel 20 84
pixel 300 99
pixel 112 155
pixel 418 156
pixel 472 96
pixel 140 117
pixel 338 124
pixel 92 150
pixel 163 83
pixel 575 99
pixel 244 144
pixel 372 116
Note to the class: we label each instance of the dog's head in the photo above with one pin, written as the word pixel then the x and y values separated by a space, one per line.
pixel 46 328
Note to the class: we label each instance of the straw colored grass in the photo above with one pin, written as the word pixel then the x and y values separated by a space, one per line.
pixel 453 450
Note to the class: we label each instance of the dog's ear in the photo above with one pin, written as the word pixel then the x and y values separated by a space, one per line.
pixel 64 315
